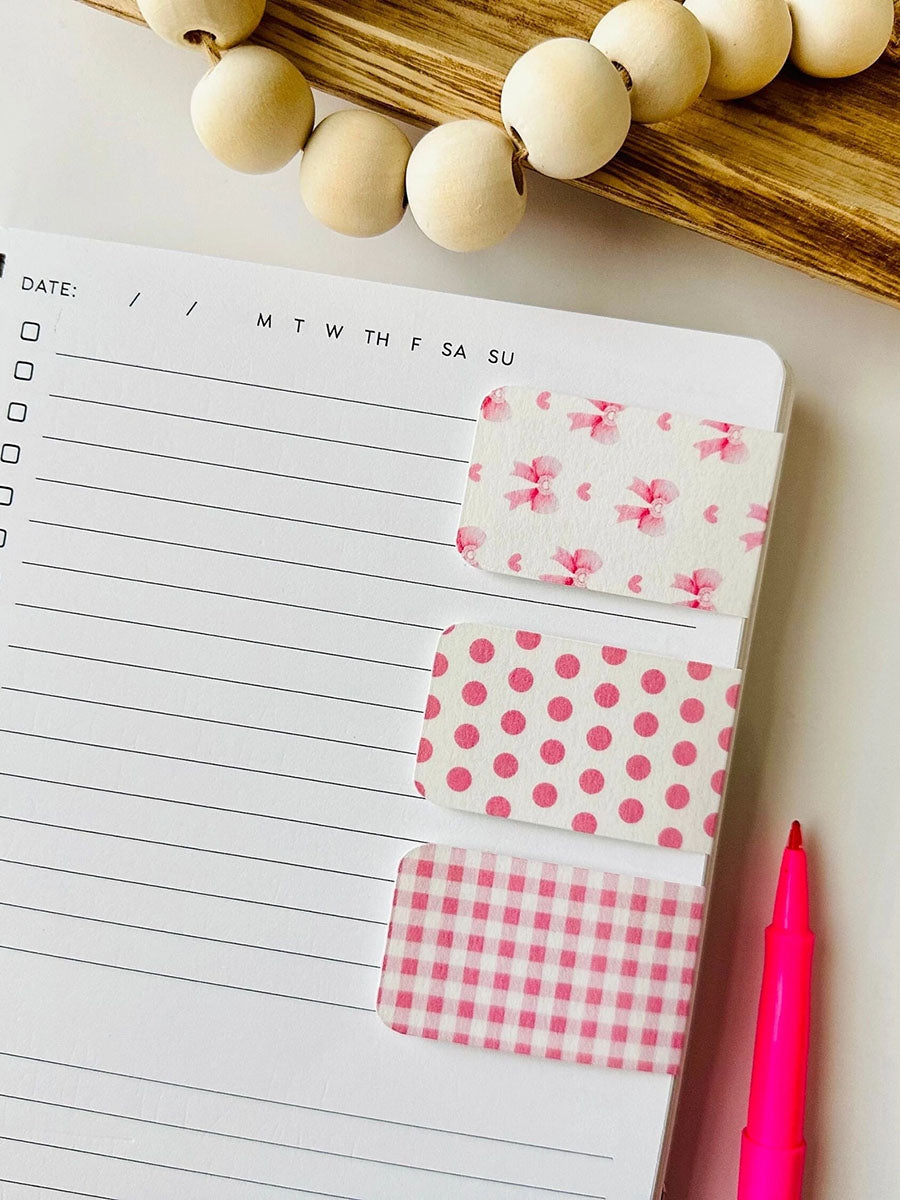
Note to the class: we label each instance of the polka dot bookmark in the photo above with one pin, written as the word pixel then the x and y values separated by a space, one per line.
pixel 619 498
pixel 579 736
pixel 536 958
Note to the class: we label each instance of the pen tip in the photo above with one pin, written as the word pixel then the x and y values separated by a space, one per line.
pixel 795 837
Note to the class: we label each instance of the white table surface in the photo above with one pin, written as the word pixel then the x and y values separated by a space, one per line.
pixel 95 139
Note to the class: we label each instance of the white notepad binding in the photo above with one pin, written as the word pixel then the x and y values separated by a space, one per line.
pixel 229 498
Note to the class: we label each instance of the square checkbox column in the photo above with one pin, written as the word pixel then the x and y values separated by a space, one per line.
pixel 23 371
pixel 10 452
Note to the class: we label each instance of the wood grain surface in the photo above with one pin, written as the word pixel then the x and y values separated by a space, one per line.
pixel 807 172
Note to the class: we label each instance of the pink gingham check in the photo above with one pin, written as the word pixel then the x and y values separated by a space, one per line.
pixel 538 958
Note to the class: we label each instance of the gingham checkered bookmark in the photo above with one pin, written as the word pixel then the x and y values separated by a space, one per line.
pixel 537 958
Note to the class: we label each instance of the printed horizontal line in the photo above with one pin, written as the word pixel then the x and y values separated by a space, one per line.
pixel 45 1187
pixel 183 587
pixel 269 687
pixel 361 1158
pixel 203 762
pixel 310 437
pixel 166 887
pixel 161 712
pixel 194 937
pixel 241 812
pixel 267 387
pixel 245 512
pixel 206 462
pixel 143 841
pixel 142 1162
pixel 422 583
pixel 331 1112
pixel 228 987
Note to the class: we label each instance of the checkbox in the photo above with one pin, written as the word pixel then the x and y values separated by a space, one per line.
pixel 6 496
pixel 30 331
pixel 17 412
pixel 10 453
pixel 24 371
pixel 2 538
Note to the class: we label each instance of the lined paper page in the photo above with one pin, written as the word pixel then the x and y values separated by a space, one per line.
pixel 229 551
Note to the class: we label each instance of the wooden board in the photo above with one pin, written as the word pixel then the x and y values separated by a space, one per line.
pixel 807 172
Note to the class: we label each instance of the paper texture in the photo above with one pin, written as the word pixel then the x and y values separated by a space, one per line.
pixel 597 739
pixel 230 549
pixel 537 959
pixel 619 498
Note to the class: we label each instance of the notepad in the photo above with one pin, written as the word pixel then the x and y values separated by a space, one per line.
pixel 229 503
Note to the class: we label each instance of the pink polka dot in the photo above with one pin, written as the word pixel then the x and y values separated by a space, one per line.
pixel 567 666
pixel 458 778
pixel 709 824
pixel 677 796
pixel 559 709
pixel 552 751
pixel 692 710
pixel 474 693
pixel 544 795
pixel 631 811
pixel 481 650
pixel 725 738
pixel 614 655
pixel 420 788
pixel 432 708
pixel 699 670
pixel 512 721
pixel 670 837
pixel 591 782
pixel 717 782
pixel 645 724
pixel 466 736
pixel 425 750
pixel 528 641
pixel 520 679
pixel 598 738
pixel 440 665
pixel 638 766
pixel 732 695
pixel 506 765
pixel 607 695
pixel 498 806
pixel 684 753
pixel 653 681
pixel 584 822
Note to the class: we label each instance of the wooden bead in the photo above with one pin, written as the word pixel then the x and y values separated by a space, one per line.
pixel 664 49
pixel 182 21
pixel 569 106
pixel 834 38
pixel 253 110
pixel 749 41
pixel 464 189
pixel 353 173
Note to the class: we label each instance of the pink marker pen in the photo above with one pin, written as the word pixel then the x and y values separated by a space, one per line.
pixel 772 1147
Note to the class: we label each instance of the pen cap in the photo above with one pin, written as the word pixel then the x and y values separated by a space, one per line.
pixel 770 1172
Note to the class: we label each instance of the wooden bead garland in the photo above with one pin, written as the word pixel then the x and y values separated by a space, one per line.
pixel 253 110
pixel 353 173
pixel 569 106
pixel 465 188
pixel 566 103
pixel 665 51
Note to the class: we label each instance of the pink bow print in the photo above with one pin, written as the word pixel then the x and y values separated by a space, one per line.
pixel 579 565
pixel 730 446
pixel 701 586
pixel 495 407
pixel 541 473
pixel 754 539
pixel 657 493
pixel 603 427
pixel 468 541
